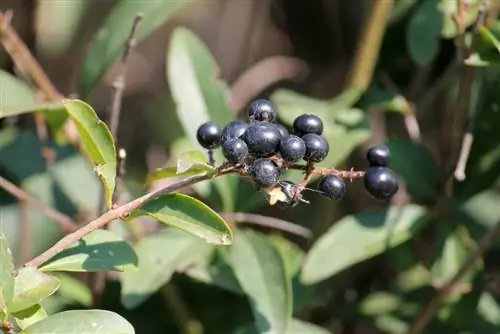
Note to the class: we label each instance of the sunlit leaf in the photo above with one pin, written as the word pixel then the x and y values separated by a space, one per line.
pixel 101 250
pixel 262 274
pixel 30 287
pixel 160 255
pixel 110 40
pixel 487 51
pixel 97 142
pixel 82 321
pixel 16 96
pixel 450 8
pixel 359 237
pixel 190 215
pixel 380 302
pixel 6 278
pixel 29 316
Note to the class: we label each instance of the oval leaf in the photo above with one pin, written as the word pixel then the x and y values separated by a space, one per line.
pixel 160 255
pixel 28 317
pixel 30 287
pixel 359 237
pixel 296 327
pixel 16 96
pixel 82 321
pixel 100 250
pixel 110 41
pixel 190 215
pixel 6 278
pixel 424 32
pixel 73 290
pixel 262 274
pixel 97 142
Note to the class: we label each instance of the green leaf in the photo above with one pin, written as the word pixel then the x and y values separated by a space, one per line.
pixel 109 42
pixel 291 105
pixel 378 98
pixel 101 250
pixel 356 238
pixel 6 278
pixel 73 290
pixel 30 287
pixel 414 163
pixel 487 49
pixel 189 163
pixel 82 321
pixel 424 32
pixel 449 8
pixel 262 274
pixel 380 302
pixel 190 215
pixel 97 142
pixel 30 316
pixel 16 96
pixel 296 327
pixel 160 255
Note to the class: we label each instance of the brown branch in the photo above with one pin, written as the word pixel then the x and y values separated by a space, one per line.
pixel 262 75
pixel 432 307
pixel 275 223
pixel 64 221
pixel 369 45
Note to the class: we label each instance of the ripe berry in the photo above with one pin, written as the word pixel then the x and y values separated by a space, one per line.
pixel 308 123
pixel 380 182
pixel 262 139
pixel 262 111
pixel 332 186
pixel 292 148
pixel 235 150
pixel 378 155
pixel 265 173
pixel 283 130
pixel 209 135
pixel 317 147
pixel 234 129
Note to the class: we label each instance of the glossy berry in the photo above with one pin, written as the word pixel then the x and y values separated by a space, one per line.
pixel 262 139
pixel 261 111
pixel 317 147
pixel 378 155
pixel 209 135
pixel 235 150
pixel 380 182
pixel 283 130
pixel 332 186
pixel 265 173
pixel 292 148
pixel 234 129
pixel 308 123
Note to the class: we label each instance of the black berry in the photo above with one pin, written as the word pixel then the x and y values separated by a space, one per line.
pixel 262 139
pixel 265 173
pixel 308 123
pixel 292 148
pixel 261 111
pixel 380 182
pixel 378 155
pixel 234 129
pixel 332 186
pixel 283 130
pixel 317 147
pixel 235 150
pixel 209 135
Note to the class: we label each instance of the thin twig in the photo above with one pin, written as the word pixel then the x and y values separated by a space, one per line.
pixel 432 307
pixel 275 223
pixel 66 223
pixel 369 45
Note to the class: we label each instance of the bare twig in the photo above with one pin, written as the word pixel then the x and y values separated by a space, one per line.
pixel 263 74
pixel 431 308
pixel 275 223
pixel 369 45
pixel 64 221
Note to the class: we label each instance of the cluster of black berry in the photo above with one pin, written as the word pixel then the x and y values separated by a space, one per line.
pixel 263 148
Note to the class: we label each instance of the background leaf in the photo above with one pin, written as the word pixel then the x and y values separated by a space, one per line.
pixel 109 42
pixel 97 142
pixel 6 270
pixel 82 321
pixel 30 287
pixel 262 274
pixel 100 250
pixel 160 255
pixel 190 215
pixel 15 95
pixel 28 317
pixel 359 237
